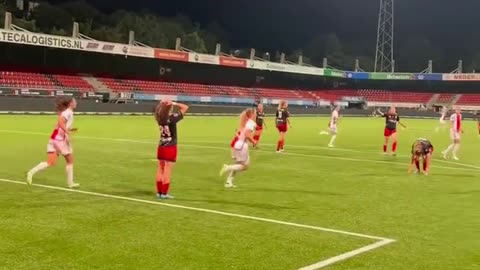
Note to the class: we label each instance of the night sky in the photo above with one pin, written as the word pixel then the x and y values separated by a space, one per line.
pixel 288 24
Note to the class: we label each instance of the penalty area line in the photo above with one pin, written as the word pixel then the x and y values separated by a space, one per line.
pixel 381 241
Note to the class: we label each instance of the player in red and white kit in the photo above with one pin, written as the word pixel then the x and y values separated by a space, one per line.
pixel 240 152
pixel 390 131
pixel 167 147
pixel 332 125
pixel 282 122
pixel 260 121
pixel 455 131
pixel 59 143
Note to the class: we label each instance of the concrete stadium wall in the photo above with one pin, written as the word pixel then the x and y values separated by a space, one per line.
pixel 37 105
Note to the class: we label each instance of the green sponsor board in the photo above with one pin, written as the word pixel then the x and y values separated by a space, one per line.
pixel 334 73
pixel 391 76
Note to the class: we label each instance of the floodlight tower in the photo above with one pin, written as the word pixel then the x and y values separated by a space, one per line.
pixel 384 61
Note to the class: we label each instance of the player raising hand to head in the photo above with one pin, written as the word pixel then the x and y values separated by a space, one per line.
pixel 167 148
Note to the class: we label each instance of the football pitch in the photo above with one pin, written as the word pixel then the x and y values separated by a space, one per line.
pixel 309 208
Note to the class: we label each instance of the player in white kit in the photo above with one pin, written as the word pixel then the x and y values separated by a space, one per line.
pixel 332 125
pixel 442 121
pixel 59 143
pixel 455 131
pixel 240 148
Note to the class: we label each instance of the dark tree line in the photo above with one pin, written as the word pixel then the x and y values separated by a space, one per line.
pixel 411 55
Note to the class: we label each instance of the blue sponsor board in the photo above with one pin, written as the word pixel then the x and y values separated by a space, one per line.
pixel 428 77
pixel 143 96
pixel 357 75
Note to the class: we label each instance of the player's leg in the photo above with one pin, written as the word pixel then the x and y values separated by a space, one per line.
pixel 281 141
pixel 52 158
pixel 333 132
pixel 167 172
pixel 456 147
pixel 159 177
pixel 426 163
pixel 69 170
pixel 385 144
pixel 394 143
pixel 242 161
pixel 451 146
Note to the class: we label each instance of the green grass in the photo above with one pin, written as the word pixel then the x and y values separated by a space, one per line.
pixel 435 219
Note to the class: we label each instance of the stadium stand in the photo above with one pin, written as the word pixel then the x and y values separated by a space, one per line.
pixel 71 82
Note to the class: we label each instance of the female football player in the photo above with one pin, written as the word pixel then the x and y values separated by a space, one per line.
pixel 59 143
pixel 282 122
pixel 390 131
pixel 421 149
pixel 167 148
pixel 240 149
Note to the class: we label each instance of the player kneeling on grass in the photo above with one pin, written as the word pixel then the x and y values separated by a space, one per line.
pixel 167 148
pixel 59 143
pixel 240 148
pixel 421 148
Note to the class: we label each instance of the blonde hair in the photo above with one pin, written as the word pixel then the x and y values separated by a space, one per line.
pixel 244 116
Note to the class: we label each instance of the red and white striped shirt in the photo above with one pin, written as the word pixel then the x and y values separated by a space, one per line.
pixel 456 120
pixel 58 133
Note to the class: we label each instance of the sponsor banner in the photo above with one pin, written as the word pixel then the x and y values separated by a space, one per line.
pixel 63 93
pixel 135 51
pixel 334 73
pixel 461 77
pixel 29 38
pixel 391 76
pixel 357 75
pixel 277 67
pixel 233 62
pixel 204 58
pixel 310 70
pixel 428 77
pixel 171 55
pixel 28 92
pixel 257 64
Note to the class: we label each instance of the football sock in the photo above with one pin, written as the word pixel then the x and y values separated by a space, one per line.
pixel 384 148
pixel 69 170
pixel 165 187
pixel 417 164
pixel 332 140
pixel 394 147
pixel 41 166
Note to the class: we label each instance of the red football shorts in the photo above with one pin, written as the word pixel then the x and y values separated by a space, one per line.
pixel 389 132
pixel 282 128
pixel 259 128
pixel 167 153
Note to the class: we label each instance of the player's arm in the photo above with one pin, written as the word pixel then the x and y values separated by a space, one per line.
pixel 412 164
pixel 380 112
pixel 249 136
pixel 401 124
pixel 288 119
pixel 183 108
pixel 62 123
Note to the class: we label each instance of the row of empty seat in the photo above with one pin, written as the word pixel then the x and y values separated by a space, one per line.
pixel 80 83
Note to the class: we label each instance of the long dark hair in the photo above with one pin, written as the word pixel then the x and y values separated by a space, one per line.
pixel 62 103
pixel 162 113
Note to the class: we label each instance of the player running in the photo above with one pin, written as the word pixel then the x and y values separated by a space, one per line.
pixel 282 122
pixel 260 121
pixel 455 130
pixel 167 147
pixel 442 121
pixel 60 143
pixel 242 157
pixel 332 125
pixel 390 131
pixel 421 148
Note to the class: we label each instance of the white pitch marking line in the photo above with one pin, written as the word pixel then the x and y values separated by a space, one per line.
pixel 380 243
pixel 472 167
pixel 347 255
